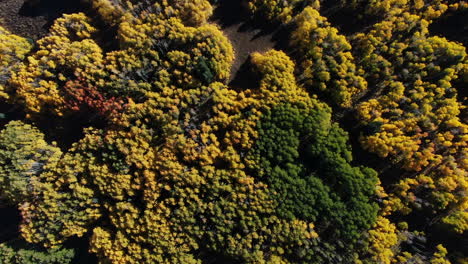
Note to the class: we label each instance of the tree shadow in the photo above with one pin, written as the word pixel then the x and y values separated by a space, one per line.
pixel 230 13
pixel 51 9
pixel 81 247
pixel 245 77
pixel 340 17
pixel 453 26
pixel 9 222
pixel 9 113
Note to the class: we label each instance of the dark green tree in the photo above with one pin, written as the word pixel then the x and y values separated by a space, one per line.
pixel 305 159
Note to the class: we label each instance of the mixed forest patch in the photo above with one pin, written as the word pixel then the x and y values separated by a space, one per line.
pixel 221 131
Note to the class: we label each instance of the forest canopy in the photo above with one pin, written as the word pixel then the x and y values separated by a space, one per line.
pixel 127 134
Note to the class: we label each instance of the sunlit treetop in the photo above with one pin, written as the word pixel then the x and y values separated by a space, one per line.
pixel 13 49
pixel 24 155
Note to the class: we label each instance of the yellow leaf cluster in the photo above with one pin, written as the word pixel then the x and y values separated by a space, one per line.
pixel 66 53
pixel 326 63
pixel 13 50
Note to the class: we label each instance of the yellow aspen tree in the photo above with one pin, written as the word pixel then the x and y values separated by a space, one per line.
pixel 13 50
pixel 326 64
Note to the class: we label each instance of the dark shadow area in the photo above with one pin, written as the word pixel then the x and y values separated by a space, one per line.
pixel 51 9
pixel 440 234
pixel 435 233
pixel 453 26
pixel 9 223
pixel 210 257
pixel 8 113
pixel 230 13
pixel 107 36
pixel 245 78
pixel 68 130
pixel 348 20
pixel 281 38
pixel 33 18
pixel 82 254
pixel 462 96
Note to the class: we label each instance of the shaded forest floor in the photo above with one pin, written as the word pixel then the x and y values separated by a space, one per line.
pixel 32 18
pixel 12 17
pixel 244 34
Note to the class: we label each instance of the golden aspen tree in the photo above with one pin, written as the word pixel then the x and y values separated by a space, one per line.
pixel 415 118
pixel 383 238
pixel 428 9
pixel 13 50
pixel 326 63
pixel 66 53
pixel 280 11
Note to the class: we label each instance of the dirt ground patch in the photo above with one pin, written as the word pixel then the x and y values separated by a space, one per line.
pixel 246 43
pixel 32 18
pixel 244 35
pixel 25 26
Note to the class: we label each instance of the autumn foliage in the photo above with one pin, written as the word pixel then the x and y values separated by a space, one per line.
pixel 187 169
pixel 81 98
